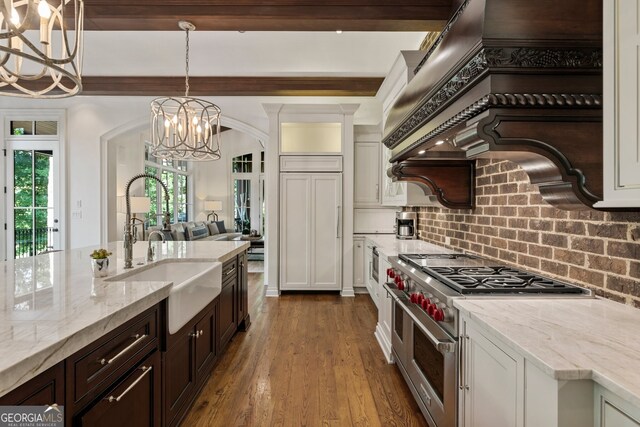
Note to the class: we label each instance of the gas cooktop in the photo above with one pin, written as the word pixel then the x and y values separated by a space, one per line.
pixel 469 274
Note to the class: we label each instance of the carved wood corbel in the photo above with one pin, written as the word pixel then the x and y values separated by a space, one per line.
pixel 451 181
pixel 560 150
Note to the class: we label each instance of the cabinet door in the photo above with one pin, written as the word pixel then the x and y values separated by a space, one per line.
pixel 621 84
pixel 493 383
pixel 45 389
pixel 228 307
pixel 384 309
pixel 179 374
pixel 134 401
pixel 326 231
pixel 206 348
pixel 612 411
pixel 358 262
pixel 367 174
pixel 243 297
pixel 295 231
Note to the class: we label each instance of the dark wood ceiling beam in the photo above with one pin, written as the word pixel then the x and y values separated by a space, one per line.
pixel 231 86
pixel 275 15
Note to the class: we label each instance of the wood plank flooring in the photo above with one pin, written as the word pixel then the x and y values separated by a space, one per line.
pixel 306 360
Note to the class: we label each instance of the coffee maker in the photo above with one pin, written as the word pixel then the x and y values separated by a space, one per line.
pixel 406 225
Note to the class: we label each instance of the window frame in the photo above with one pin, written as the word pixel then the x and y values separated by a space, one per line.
pixel 161 168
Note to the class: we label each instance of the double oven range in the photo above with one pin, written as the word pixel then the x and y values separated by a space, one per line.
pixel 425 324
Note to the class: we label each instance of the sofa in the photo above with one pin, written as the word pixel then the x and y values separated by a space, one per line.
pixel 199 230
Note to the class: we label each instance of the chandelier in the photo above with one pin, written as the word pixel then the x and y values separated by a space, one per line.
pixel 41 48
pixel 185 128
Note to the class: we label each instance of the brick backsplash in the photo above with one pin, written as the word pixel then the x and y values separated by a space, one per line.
pixel 513 224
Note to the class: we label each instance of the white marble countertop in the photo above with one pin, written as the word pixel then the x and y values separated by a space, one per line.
pixel 51 306
pixel 567 338
pixel 389 245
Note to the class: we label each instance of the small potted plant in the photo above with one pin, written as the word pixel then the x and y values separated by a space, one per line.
pixel 100 262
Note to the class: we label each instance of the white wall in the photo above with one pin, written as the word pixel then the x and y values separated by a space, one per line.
pixel 126 159
pixel 213 179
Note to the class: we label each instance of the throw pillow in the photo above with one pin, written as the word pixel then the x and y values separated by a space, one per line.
pixel 220 225
pixel 213 228
pixel 196 232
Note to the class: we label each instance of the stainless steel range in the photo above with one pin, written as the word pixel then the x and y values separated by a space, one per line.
pixel 425 323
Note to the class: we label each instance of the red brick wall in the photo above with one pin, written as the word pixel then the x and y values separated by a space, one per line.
pixel 513 224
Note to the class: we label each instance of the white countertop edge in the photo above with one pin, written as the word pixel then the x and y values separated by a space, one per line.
pixel 26 369
pixel 564 374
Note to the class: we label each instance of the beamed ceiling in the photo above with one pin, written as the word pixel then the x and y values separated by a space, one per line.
pixel 254 15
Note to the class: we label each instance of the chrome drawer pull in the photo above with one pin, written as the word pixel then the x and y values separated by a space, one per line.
pixel 233 270
pixel 145 370
pixel 138 338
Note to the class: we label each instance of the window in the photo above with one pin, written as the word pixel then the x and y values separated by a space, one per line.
pixel 242 164
pixel 175 175
pixel 33 127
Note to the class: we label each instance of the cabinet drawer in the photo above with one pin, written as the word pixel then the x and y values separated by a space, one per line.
pixel 133 401
pixel 113 354
pixel 229 271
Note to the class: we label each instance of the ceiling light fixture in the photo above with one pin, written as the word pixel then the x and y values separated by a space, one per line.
pixel 185 128
pixel 422 151
pixel 338 31
pixel 44 66
pixel 439 142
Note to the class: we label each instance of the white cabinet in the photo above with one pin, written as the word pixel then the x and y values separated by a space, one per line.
pixel 492 381
pixel 310 231
pixel 621 84
pixel 358 261
pixel 383 328
pixel 612 411
pixel 370 281
pixel 367 174
pixel 499 387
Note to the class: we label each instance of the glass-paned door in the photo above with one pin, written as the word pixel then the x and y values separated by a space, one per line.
pixel 32 199
pixel 242 205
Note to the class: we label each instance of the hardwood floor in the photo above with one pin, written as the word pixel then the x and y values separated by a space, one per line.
pixel 306 360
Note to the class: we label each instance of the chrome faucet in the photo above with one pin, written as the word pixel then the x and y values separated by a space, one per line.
pixel 129 237
pixel 150 251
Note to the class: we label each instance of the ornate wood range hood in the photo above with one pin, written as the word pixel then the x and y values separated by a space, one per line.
pixel 509 79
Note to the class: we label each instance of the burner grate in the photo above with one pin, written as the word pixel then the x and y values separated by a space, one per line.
pixel 499 279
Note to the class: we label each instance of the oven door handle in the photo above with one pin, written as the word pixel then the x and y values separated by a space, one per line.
pixel 443 346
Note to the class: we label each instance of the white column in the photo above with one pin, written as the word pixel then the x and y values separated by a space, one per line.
pixel 272 197
pixel 347 198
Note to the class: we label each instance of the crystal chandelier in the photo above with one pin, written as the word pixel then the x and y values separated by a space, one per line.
pixel 41 48
pixel 185 128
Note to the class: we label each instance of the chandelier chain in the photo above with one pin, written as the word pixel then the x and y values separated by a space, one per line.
pixel 186 78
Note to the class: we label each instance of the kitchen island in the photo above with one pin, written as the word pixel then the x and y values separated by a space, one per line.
pixel 52 307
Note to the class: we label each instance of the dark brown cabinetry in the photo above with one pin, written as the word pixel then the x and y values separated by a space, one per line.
pixel 45 389
pixel 132 401
pixel 92 369
pixel 243 295
pixel 229 302
pixel 190 356
pixel 116 379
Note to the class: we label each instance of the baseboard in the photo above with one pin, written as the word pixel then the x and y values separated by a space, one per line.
pixel 272 292
pixel 347 293
pixel 385 344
